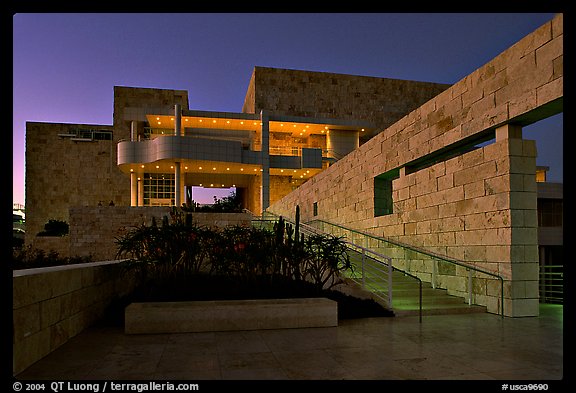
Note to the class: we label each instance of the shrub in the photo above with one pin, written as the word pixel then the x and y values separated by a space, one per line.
pixel 29 257
pixel 247 254
pixel 55 228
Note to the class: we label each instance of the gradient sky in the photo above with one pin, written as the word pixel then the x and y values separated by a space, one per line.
pixel 65 66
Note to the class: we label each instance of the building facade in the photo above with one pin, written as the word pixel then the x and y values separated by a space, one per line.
pixel 157 145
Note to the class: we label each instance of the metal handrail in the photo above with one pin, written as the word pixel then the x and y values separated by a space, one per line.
pixel 430 254
pixel 366 253
pixel 551 283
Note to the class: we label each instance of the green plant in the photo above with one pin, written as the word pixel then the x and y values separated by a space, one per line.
pixel 326 259
pixel 180 249
pixel 55 228
pixel 29 257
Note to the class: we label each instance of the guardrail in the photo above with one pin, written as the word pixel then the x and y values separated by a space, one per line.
pixel 406 255
pixel 373 271
pixel 552 283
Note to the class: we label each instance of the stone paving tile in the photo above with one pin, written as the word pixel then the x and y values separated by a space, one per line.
pixel 444 347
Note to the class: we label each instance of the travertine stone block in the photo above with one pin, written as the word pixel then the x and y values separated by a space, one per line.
pixel 225 315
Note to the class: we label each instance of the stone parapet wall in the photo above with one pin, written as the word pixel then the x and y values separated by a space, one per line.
pixel 52 305
pixel 58 244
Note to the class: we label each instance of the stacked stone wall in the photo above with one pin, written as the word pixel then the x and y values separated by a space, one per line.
pixel 381 101
pixel 52 305
pixel 94 230
pixel 476 206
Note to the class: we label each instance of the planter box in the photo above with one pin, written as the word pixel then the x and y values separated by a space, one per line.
pixel 226 315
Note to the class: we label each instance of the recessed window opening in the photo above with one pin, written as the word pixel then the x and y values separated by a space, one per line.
pixel 383 203
pixel 451 151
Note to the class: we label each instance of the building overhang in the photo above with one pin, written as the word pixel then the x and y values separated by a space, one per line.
pixel 295 125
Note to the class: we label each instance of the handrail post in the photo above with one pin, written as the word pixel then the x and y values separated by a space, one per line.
pixel 469 287
pixel 502 295
pixel 363 260
pixel 434 267
pixel 390 271
pixel 420 309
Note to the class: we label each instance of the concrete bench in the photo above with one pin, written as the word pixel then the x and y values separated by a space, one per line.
pixel 226 315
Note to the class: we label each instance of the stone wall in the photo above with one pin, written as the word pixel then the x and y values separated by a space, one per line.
pixel 52 305
pixel 94 230
pixel 477 206
pixel 381 101
pixel 61 173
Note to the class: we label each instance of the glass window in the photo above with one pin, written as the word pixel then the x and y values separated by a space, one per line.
pixel 550 212
pixel 159 189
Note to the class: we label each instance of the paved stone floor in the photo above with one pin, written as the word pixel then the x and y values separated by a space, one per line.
pixel 475 346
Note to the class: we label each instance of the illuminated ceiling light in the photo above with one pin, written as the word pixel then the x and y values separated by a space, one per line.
pixel 227 121
pixel 171 166
pixel 242 169
pixel 261 170
pixel 157 166
pixel 211 185
pixel 294 170
pixel 300 134
pixel 159 122
pixel 214 168
pixel 282 170
pixel 281 124
pixel 131 170
pixel 255 123
pixel 200 120
pixel 307 171
pixel 185 119
pixel 222 185
pixel 233 185
pixel 362 129
pixel 157 118
pixel 213 121
pixel 325 127
pixel 142 166
pixel 294 125
pixel 199 167
pixel 254 169
pixel 139 179
pixel 171 119
pixel 307 126
pixel 185 167
pixel 300 176
pixel 227 169
pixel 241 122
pixel 322 131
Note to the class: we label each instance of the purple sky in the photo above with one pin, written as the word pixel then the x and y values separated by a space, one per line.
pixel 66 65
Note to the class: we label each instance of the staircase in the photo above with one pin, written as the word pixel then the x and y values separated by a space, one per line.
pixel 372 273
pixel 435 301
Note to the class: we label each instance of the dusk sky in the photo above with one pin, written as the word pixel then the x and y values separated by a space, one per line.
pixel 65 66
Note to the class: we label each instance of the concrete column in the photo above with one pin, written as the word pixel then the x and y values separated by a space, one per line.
pixel 140 192
pixel 134 131
pixel 133 189
pixel 178 120
pixel 341 142
pixel 177 185
pixel 265 160
pixel 177 179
